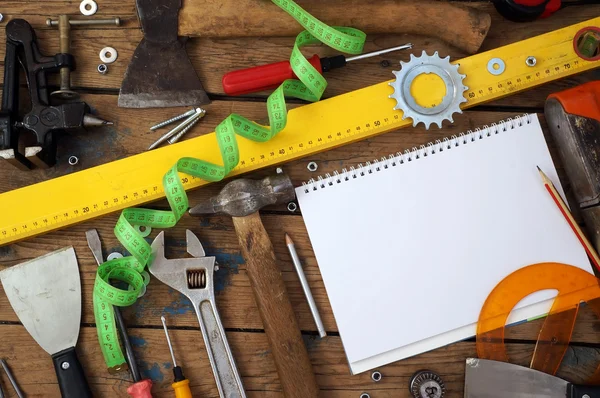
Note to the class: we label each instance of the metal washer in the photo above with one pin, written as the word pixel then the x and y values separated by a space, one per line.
pixel 501 66
pixel 88 11
pixel 440 67
pixel 108 59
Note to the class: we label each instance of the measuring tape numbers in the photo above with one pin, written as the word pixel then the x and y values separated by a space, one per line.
pixel 309 87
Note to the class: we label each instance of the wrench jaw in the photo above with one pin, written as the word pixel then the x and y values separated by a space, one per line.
pixel 194 278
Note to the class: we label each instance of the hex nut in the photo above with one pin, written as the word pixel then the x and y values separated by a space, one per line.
pixel 73 160
pixel 530 61
pixel 312 166
pixel 365 395
pixel 102 69
pixel 292 207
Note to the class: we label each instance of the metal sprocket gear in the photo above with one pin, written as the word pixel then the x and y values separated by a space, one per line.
pixel 441 67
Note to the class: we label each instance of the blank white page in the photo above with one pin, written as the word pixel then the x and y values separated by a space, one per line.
pixel 409 253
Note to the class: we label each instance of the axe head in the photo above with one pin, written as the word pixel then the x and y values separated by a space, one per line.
pixel 160 73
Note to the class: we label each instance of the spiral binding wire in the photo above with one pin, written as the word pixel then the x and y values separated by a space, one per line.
pixel 416 153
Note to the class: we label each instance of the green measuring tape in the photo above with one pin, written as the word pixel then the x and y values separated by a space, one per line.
pixel 309 87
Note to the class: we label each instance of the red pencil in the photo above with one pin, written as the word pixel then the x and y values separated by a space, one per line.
pixel 591 252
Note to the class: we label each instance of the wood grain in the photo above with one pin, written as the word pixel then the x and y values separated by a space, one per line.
pixel 467 31
pixel 279 321
pixel 33 370
pixel 212 56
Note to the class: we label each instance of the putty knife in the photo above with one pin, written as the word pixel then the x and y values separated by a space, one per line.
pixel 492 379
pixel 46 295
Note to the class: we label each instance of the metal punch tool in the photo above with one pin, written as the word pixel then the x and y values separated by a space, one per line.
pixel 193 277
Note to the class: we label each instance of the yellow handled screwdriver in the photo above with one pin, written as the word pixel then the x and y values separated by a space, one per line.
pixel 181 385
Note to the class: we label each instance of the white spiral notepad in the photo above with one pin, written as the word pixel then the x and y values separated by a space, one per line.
pixel 410 246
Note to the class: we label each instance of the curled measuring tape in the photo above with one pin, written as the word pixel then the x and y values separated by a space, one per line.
pixel 309 87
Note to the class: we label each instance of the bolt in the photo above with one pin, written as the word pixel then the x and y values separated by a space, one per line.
pixel 75 22
pixel 312 166
pixel 65 365
pixel 292 207
pixel 173 119
pixel 73 160
pixel 531 61
pixel 376 376
pixel 102 69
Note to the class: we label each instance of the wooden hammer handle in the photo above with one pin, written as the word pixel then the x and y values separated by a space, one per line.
pixel 288 349
pixel 462 27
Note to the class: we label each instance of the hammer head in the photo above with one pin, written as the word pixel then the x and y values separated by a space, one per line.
pixel 243 197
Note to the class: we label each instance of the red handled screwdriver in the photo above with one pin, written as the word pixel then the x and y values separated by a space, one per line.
pixel 265 77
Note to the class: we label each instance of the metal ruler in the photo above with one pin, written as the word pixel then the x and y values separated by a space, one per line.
pixel 312 128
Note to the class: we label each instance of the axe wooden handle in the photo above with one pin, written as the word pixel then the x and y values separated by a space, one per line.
pixel 287 347
pixel 463 27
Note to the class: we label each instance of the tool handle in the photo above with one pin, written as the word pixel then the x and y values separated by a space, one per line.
pixel 141 389
pixel 182 389
pixel 70 375
pixel 287 347
pixel 577 391
pixel 263 77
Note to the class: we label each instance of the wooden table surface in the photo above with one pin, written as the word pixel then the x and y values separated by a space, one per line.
pixel 212 57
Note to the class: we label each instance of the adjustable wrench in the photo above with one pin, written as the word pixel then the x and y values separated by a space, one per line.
pixel 193 277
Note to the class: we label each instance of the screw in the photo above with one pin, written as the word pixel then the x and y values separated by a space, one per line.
pixel 376 376
pixel 292 206
pixel 187 128
pixel 530 61
pixel 180 126
pixel 312 166
pixel 173 119
pixel 75 22
pixel 65 365
pixel 73 160
pixel 102 69
pixel 64 30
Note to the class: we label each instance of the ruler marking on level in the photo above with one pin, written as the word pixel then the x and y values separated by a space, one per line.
pixel 311 129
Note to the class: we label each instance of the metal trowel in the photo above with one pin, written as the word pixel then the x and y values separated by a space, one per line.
pixel 45 293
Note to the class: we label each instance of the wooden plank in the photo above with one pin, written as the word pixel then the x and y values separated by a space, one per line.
pixel 213 57
pixel 254 362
